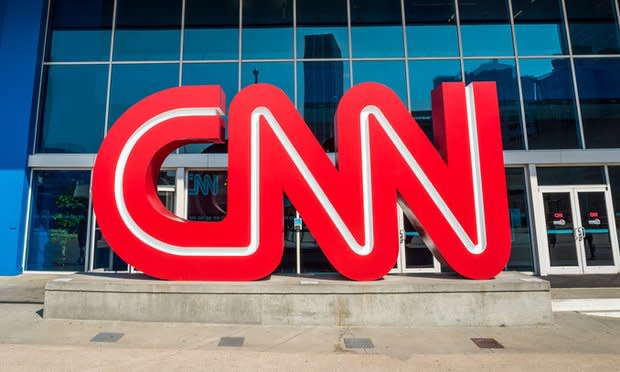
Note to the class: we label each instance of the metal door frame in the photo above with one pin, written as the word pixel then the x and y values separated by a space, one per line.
pixel 401 262
pixel 541 230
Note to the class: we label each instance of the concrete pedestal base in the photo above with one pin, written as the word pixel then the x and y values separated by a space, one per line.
pixel 396 301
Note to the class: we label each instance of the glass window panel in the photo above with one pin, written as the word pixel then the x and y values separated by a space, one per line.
pixel 267 29
pixel 614 182
pixel 539 27
pixel 521 253
pixel 147 30
pixel 104 258
pixel 560 229
pixel 376 28
pixel 320 86
pixel 80 30
pixel 131 83
pixel 425 76
pixel 570 175
pixel 313 260
pixel 206 195
pixel 288 264
pixel 58 221
pixel 485 28
pixel 73 113
pixel 593 26
pixel 503 73
pixel 549 98
pixel 598 83
pixel 322 29
pixel 390 73
pixel 431 28
pixel 211 30
pixel 594 219
pixel 279 74
pixel 167 178
pixel 222 74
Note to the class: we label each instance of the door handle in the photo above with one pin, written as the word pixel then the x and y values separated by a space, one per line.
pixel 580 233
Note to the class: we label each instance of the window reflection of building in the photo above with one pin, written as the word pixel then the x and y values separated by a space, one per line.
pixel 503 73
pixel 323 86
pixel 549 101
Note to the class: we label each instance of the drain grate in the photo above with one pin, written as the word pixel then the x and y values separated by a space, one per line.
pixel 487 343
pixel 231 341
pixel 107 337
pixel 358 343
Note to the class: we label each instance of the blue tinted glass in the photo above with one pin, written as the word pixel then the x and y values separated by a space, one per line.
pixel 485 28
pixel 58 221
pixel 322 29
pixel 73 113
pixel 279 74
pixel 211 30
pixel 131 83
pixel 390 73
pixel 267 29
pixel 80 30
pixel 424 76
pixel 549 98
pixel 503 73
pixel 376 29
pixel 598 82
pixel 539 27
pixel 593 26
pixel 222 74
pixel 431 28
pixel 147 30
pixel 319 88
pixel 521 252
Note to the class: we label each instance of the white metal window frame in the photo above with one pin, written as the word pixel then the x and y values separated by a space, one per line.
pixel 539 227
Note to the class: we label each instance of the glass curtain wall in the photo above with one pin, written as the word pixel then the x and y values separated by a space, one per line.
pixel 554 61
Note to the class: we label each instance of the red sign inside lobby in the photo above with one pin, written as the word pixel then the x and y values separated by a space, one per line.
pixel 453 191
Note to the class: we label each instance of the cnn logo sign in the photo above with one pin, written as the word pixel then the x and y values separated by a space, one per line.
pixel 453 191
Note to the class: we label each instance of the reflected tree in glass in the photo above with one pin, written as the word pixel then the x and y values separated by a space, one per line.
pixel 58 221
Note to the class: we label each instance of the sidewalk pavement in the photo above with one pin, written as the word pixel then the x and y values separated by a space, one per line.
pixel 574 342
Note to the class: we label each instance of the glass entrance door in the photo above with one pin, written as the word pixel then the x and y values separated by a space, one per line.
pixel 577 231
pixel 414 256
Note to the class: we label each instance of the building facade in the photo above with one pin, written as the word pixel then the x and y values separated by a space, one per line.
pixel 70 68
